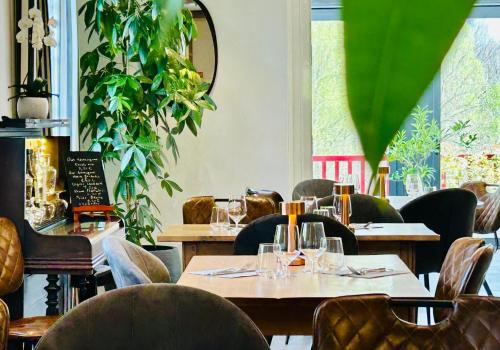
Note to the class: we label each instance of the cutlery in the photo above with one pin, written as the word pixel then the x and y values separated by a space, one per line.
pixel 364 271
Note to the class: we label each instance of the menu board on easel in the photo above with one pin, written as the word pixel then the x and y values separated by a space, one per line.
pixel 86 183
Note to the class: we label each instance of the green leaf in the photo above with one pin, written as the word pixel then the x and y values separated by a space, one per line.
pixel 126 158
pixel 139 159
pixel 393 50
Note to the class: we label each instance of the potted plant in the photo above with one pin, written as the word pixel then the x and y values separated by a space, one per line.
pixel 141 93
pixel 33 99
pixel 412 150
pixel 32 96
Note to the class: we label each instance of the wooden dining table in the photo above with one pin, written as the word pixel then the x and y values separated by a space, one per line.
pixel 286 306
pixel 399 239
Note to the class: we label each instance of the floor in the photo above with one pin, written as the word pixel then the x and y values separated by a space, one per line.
pixel 493 278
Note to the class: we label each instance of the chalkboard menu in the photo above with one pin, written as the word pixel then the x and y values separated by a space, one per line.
pixel 86 182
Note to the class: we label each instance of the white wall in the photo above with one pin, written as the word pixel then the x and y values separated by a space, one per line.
pixel 245 142
pixel 6 61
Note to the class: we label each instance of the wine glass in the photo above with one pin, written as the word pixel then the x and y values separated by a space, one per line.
pixel 286 239
pixel 219 219
pixel 311 203
pixel 413 185
pixel 338 206
pixel 333 258
pixel 310 241
pixel 237 209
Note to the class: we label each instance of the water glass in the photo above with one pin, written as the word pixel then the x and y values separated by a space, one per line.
pixel 237 209
pixel 267 262
pixel 322 212
pixel 220 219
pixel 287 239
pixel 414 185
pixel 310 242
pixel 311 203
pixel 338 207
pixel 332 259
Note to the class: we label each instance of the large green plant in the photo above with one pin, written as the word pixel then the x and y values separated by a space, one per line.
pixel 141 92
pixel 393 50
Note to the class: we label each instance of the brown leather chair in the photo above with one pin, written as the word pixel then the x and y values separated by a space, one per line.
pixel 4 325
pixel 463 271
pixel 368 322
pixel 154 317
pixel 487 219
pixel 197 210
pixel 273 195
pixel 27 330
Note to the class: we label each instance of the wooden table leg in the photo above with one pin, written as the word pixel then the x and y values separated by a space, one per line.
pixel 190 249
pixel 52 289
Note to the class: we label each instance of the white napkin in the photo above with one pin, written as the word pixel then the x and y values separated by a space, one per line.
pixel 221 272
pixel 239 275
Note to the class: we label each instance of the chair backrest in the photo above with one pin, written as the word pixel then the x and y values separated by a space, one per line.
pixel 11 258
pixel 131 264
pixel 154 317
pixel 257 207
pixel 4 325
pixel 368 322
pixel 314 187
pixel 463 271
pixel 366 208
pixel 273 195
pixel 487 218
pixel 197 210
pixel 449 213
pixel 262 231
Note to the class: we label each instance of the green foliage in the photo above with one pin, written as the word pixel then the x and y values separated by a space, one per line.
pixel 413 151
pixel 37 88
pixel 393 50
pixel 139 85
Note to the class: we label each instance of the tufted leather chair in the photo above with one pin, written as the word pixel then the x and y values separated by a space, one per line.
pixel 262 231
pixel 273 195
pixel 463 271
pixel 449 213
pixel 197 210
pixel 366 208
pixel 25 330
pixel 368 322
pixel 4 325
pixel 154 317
pixel 131 264
pixel 314 187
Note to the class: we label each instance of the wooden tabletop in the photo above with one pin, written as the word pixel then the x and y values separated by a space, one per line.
pixel 388 232
pixel 303 285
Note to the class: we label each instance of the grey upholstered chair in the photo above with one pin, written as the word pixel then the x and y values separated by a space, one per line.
pixel 313 187
pixel 154 317
pixel 131 264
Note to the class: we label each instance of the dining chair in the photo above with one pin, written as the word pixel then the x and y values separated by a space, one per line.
pixel 463 272
pixel 273 195
pixel 154 317
pixel 368 322
pixel 449 213
pixel 25 331
pixel 487 219
pixel 132 265
pixel 4 325
pixel 314 187
pixel 262 231
pixel 366 208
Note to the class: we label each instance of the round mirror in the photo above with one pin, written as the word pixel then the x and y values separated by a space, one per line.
pixel 203 50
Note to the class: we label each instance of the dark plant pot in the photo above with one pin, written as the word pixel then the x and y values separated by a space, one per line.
pixel 170 257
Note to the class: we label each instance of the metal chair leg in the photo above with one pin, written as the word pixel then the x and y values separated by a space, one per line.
pixel 496 239
pixel 488 289
pixel 427 309
pixel 287 339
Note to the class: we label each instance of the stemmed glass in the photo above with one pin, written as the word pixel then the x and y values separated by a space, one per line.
pixel 284 237
pixel 337 207
pixel 311 242
pixel 413 185
pixel 237 209
pixel 311 203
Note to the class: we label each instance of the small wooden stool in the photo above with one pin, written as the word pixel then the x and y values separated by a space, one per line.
pixel 28 331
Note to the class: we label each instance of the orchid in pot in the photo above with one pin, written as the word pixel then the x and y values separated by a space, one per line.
pixel 32 95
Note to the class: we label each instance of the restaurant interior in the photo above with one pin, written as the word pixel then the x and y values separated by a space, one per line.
pixel 347 198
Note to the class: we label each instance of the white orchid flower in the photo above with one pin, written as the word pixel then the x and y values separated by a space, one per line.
pixel 35 13
pixel 37 44
pixel 52 22
pixel 22 37
pixel 50 41
pixel 38 22
pixel 25 23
